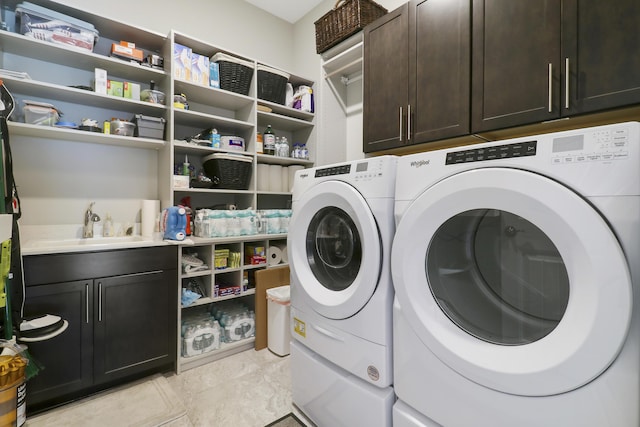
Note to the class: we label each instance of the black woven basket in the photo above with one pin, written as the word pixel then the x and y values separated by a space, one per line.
pixel 272 85
pixel 228 172
pixel 234 76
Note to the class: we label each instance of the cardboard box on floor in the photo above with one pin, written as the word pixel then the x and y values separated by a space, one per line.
pixel 266 279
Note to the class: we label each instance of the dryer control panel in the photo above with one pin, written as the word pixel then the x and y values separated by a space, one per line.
pixel 591 146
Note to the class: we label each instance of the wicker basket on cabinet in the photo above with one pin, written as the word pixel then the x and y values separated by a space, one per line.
pixel 345 19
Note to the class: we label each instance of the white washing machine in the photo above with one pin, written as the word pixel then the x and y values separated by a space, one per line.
pixel 339 246
pixel 517 273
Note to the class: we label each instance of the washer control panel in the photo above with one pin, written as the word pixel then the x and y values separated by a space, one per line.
pixel 362 171
pixel 333 170
pixel 591 146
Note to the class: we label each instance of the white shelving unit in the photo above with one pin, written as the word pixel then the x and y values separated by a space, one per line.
pixel 234 114
pixel 63 76
pixel 51 81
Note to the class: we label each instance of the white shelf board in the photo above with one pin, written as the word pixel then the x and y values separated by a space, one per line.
pixel 63 134
pixel 80 58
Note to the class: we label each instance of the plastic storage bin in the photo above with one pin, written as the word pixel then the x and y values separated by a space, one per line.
pixel 149 127
pixel 40 115
pixel 278 310
pixel 48 25
pixel 232 143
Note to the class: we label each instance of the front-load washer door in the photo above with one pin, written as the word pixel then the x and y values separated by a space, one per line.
pixel 334 248
pixel 513 281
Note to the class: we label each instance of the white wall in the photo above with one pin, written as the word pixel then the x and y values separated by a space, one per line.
pixel 230 24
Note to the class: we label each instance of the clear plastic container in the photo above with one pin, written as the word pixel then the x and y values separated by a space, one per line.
pixel 36 115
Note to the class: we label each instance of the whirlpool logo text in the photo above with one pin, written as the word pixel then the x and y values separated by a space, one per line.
pixel 419 163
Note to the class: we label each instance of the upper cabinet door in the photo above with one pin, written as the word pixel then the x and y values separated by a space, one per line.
pixel 600 48
pixel 386 72
pixel 516 62
pixel 439 42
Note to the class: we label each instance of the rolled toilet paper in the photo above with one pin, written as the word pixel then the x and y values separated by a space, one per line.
pixel 292 173
pixel 263 177
pixel 275 178
pixel 148 216
pixel 284 172
pixel 285 255
pixel 274 255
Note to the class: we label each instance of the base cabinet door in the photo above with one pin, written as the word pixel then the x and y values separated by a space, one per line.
pixel 122 320
pixel 132 325
pixel 68 358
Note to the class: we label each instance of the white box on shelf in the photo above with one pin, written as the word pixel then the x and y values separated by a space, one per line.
pixel 100 83
pixel 180 181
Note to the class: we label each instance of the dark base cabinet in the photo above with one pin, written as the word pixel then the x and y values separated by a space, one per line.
pixel 122 320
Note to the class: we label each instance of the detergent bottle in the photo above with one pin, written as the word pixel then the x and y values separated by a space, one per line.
pixel 174 223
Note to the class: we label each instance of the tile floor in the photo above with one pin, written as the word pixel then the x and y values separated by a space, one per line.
pixel 248 389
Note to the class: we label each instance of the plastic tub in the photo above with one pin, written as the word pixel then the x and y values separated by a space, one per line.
pixel 122 127
pixel 152 96
pixel 149 127
pixel 278 310
pixel 45 24
pixel 38 115
pixel 232 143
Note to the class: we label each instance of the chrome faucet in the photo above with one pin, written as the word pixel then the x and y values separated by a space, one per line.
pixel 89 219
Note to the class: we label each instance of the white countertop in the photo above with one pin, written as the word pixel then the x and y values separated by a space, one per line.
pixel 39 247
pixel 41 239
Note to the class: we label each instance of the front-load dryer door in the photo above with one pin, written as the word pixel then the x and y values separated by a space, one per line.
pixel 334 248
pixel 513 281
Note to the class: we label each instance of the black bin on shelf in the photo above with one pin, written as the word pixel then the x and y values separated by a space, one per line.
pixel 272 84
pixel 235 74
pixel 228 171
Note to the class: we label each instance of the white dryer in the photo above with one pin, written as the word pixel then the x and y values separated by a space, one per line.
pixel 339 246
pixel 517 273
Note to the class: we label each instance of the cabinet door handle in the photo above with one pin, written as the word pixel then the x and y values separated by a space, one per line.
pixel 99 301
pixel 550 86
pixel 86 305
pixel 408 122
pixel 400 124
pixel 566 83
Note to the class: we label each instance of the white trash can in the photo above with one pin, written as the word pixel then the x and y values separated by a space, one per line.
pixel 278 310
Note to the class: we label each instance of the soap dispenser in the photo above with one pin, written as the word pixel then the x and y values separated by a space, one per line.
pixel 107 228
